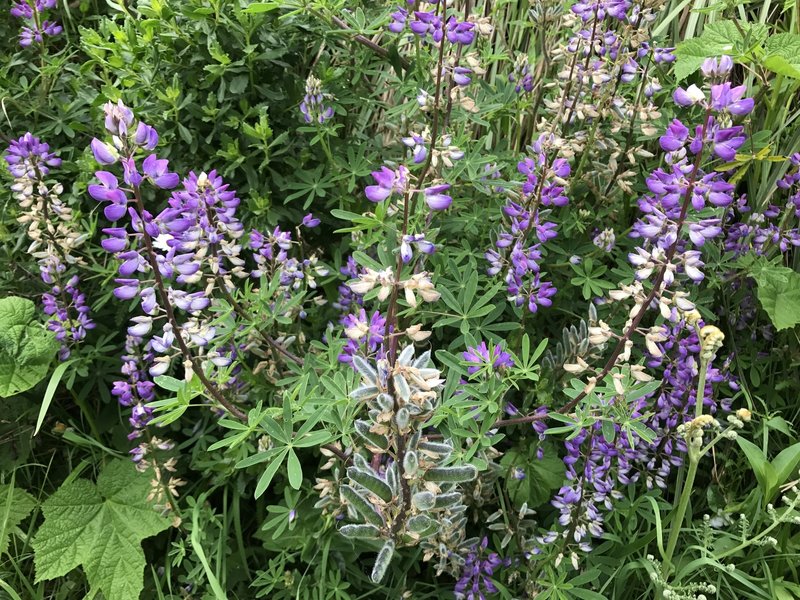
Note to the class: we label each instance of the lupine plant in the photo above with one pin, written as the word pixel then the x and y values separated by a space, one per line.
pixel 450 299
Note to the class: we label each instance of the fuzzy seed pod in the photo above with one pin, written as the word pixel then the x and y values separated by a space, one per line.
pixel 382 562
pixel 362 506
pixel 451 474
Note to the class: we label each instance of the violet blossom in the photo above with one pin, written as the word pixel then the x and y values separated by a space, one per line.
pixel 54 239
pixel 481 356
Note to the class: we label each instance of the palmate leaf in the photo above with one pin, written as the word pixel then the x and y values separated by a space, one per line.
pixel 99 527
pixel 779 293
pixel 26 347
pixel 15 505
pixel 782 54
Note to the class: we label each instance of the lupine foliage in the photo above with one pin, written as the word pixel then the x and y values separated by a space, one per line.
pixel 460 299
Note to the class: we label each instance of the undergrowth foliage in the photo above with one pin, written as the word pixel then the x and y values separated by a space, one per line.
pixel 461 299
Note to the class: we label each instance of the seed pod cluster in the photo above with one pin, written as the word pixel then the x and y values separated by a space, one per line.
pixel 409 492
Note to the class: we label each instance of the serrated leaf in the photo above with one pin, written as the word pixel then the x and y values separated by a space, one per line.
pixel 26 347
pixel 99 527
pixel 779 293
pixel 15 505
pixel 782 54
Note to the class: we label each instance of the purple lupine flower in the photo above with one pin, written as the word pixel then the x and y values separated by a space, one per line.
pixel 69 329
pixel 28 160
pixel 605 240
pixel 347 297
pixel 716 68
pixel 417 143
pixel 21 10
pixel 38 27
pixel 521 77
pixel 418 240
pixel 310 221
pixel 104 153
pixel 461 76
pixel 460 33
pixel 146 136
pixel 109 191
pixel 663 55
pixel 726 141
pixel 365 336
pixel 388 182
pixel 398 22
pixel 588 10
pixel 475 580
pixel 118 118
pixel 521 259
pixel 540 294
pixel 730 99
pixel 36 34
pixel 427 23
pixel 156 170
pixel 689 96
pixel 435 197
pixel 480 356
pixel 675 138
pixel 27 155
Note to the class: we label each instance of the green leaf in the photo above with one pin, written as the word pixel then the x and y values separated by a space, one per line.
pixel 52 386
pixel 294 469
pixel 269 472
pixel 26 347
pixel 779 294
pixel 785 465
pixel 99 527
pixel 261 7
pixel 15 505
pixel 765 473
pixel 782 54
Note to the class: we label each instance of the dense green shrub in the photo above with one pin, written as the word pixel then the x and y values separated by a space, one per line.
pixel 505 302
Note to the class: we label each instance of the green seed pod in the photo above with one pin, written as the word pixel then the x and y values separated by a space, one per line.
pixel 423 501
pixel 420 523
pixel 422 360
pixel 401 418
pixel 451 474
pixel 411 463
pixel 402 388
pixel 362 506
pixel 370 482
pixel 365 391
pixel 393 480
pixel 382 562
pixel 440 448
pixel 413 410
pixel 385 402
pixel 447 500
pixel 375 439
pixel 360 462
pixel 360 532
pixel 406 355
pixel 365 369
